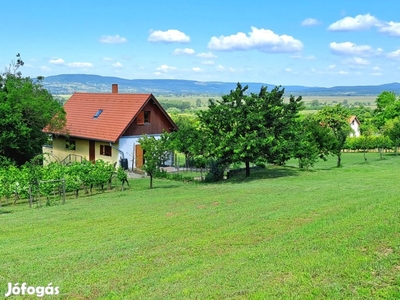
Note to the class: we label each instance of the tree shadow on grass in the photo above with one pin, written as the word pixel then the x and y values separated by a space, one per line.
pixel 169 186
pixel 271 172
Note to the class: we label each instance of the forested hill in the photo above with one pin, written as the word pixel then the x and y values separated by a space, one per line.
pixel 70 83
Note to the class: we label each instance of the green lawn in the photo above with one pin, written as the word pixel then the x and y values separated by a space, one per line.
pixel 332 233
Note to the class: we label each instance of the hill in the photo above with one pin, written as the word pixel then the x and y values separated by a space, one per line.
pixel 70 83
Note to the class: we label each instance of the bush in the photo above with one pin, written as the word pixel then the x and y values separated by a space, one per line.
pixel 216 170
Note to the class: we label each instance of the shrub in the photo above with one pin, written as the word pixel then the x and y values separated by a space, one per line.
pixel 216 170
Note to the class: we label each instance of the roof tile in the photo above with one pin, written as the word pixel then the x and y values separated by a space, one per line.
pixel 118 112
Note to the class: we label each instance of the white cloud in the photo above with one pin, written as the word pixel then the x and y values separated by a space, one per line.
pixel 259 39
pixel 360 22
pixel 197 69
pixel 61 62
pixel 376 74
pixel 206 55
pixel 186 51
pixel 80 65
pixel 117 65
pixel 331 67
pixel 220 68
pixel 165 68
pixel 394 54
pixel 356 61
pixel 391 28
pixel 112 39
pixel 169 36
pixel 310 22
pixel 348 48
pixel 343 72
pixel 208 62
pixel 57 61
pixel 376 69
pixel 288 70
pixel 107 59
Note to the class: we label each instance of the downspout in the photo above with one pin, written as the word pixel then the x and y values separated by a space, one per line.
pixel 122 153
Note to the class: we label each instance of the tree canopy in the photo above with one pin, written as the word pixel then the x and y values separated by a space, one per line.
pixel 155 153
pixel 250 128
pixel 337 119
pixel 387 108
pixel 25 109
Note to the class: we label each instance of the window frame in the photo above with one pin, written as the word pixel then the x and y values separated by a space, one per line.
pixel 106 150
pixel 69 143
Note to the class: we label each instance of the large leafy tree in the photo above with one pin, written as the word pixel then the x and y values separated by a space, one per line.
pixel 249 128
pixel 337 119
pixel 387 108
pixel 25 109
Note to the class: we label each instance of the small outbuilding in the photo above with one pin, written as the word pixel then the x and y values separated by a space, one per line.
pixel 355 126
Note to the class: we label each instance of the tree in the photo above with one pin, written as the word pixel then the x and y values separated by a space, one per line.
pixel 185 139
pixel 249 128
pixel 387 108
pixel 25 109
pixel 313 141
pixel 392 130
pixel 155 153
pixel 337 119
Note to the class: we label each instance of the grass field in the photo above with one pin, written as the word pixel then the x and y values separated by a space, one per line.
pixel 332 233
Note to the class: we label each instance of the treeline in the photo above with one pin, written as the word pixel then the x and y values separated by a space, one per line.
pixel 262 128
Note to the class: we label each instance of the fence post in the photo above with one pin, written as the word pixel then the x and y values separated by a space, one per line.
pixel 63 191
pixel 30 196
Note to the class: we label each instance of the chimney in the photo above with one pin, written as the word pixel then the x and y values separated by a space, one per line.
pixel 115 88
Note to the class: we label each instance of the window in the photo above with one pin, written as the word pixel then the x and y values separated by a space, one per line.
pixel 143 118
pixel 105 150
pixel 97 114
pixel 147 117
pixel 70 144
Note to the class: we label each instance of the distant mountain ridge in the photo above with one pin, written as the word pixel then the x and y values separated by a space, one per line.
pixel 70 83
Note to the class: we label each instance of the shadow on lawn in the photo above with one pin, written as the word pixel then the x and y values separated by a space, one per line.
pixel 166 186
pixel 270 172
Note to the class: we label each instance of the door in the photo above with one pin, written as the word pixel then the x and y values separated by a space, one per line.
pixel 92 150
pixel 139 156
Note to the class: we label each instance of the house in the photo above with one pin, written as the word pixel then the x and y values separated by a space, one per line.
pixel 355 126
pixel 108 126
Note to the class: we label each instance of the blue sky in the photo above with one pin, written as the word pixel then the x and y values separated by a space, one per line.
pixel 309 42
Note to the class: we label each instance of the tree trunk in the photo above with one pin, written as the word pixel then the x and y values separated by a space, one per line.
pixel 339 160
pixel 151 181
pixel 365 159
pixel 247 168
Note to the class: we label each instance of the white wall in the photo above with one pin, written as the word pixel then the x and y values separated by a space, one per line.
pixel 127 145
pixel 356 129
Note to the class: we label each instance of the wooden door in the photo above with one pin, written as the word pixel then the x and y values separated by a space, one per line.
pixel 92 150
pixel 139 156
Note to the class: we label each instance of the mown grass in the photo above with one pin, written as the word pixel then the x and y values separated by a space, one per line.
pixel 332 233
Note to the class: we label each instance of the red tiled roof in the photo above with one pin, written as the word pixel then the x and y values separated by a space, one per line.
pixel 119 110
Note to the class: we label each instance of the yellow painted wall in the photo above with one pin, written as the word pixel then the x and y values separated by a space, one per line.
pixel 59 152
